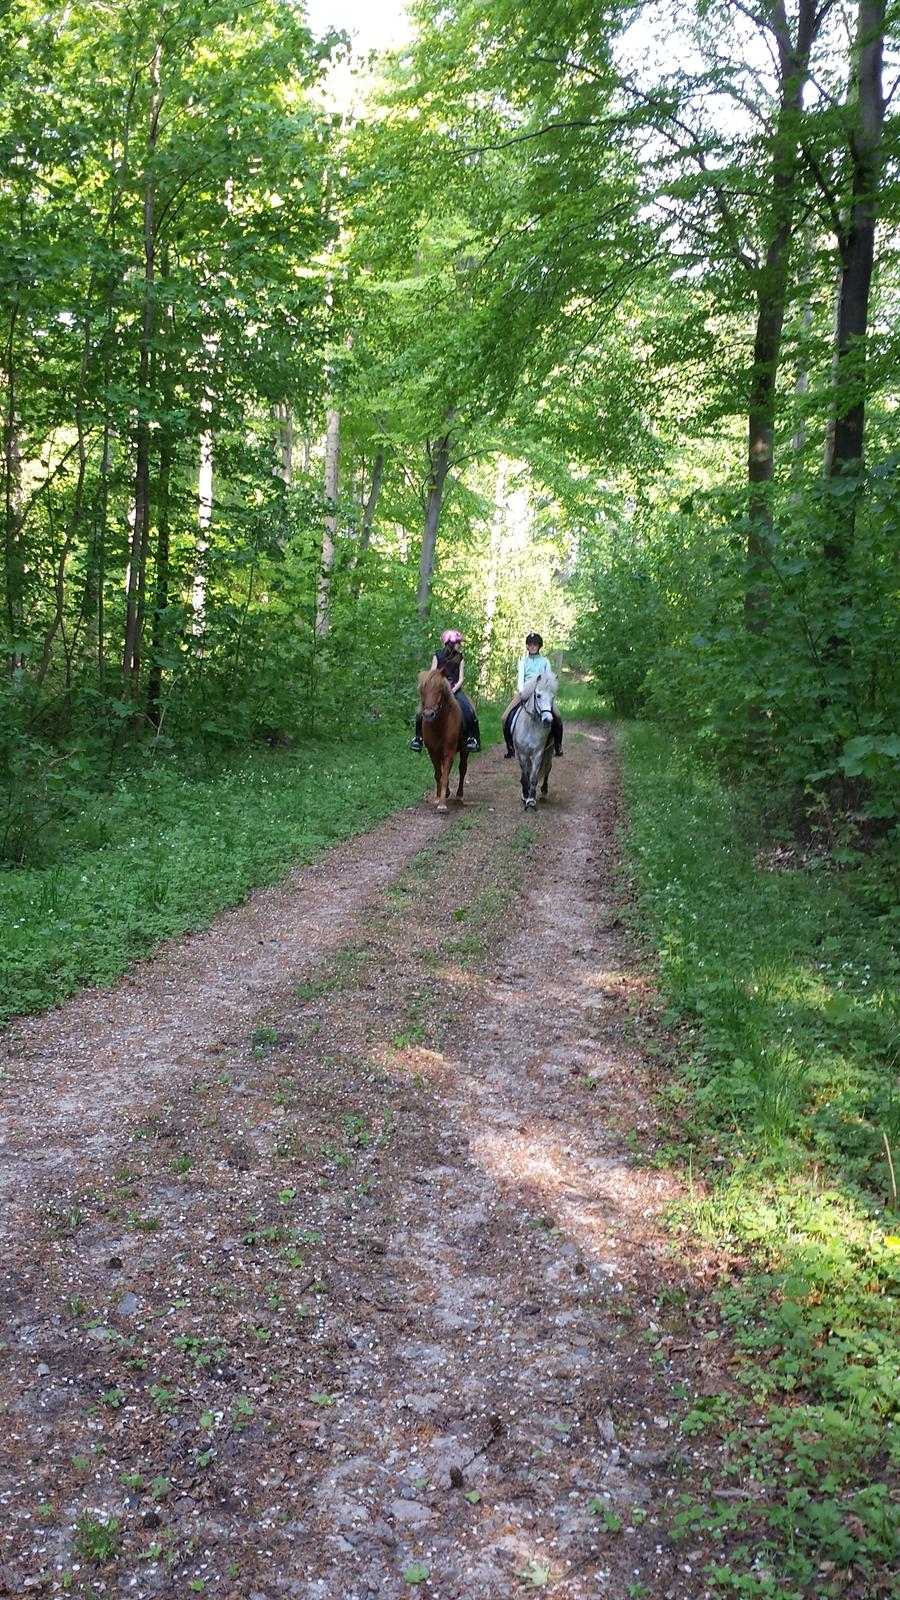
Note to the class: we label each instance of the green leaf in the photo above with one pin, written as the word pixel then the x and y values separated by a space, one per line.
pixel 535 1576
pixel 417 1573
pixel 473 1496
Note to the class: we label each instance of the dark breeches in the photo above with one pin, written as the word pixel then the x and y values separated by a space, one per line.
pixel 470 720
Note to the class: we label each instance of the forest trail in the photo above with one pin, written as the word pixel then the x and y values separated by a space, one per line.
pixel 326 1272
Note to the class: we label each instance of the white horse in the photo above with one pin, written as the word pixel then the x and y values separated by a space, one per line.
pixel 532 735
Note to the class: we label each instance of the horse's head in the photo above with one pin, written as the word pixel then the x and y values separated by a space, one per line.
pixel 538 696
pixel 434 691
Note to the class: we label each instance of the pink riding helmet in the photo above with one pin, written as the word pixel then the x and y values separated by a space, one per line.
pixel 451 636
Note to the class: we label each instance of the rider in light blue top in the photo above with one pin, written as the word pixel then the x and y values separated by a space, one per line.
pixel 532 663
pixel 529 666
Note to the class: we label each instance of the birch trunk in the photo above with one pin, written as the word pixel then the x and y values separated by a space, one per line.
pixel 204 497
pixel 498 524
pixel 285 424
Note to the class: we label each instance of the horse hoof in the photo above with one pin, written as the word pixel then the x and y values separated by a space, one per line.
pixel 530 805
pixel 442 811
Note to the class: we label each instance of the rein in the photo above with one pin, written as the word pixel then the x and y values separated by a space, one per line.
pixel 534 707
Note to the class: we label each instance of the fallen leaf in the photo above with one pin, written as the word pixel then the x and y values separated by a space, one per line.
pixel 417 1573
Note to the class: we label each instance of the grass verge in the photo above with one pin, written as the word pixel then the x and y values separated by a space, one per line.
pixel 163 852
pixel 782 985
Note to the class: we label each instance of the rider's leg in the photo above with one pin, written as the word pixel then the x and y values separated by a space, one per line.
pixel 416 743
pixel 470 721
pixel 557 732
pixel 506 722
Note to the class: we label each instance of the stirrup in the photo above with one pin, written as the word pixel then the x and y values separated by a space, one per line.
pixel 472 743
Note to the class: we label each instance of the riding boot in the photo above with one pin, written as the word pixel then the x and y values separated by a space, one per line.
pixel 557 733
pixel 473 741
pixel 510 752
pixel 416 743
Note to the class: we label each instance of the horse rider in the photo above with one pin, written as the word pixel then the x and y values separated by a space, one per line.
pixel 449 661
pixel 529 666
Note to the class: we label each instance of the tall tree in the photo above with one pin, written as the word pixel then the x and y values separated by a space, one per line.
pixel 856 247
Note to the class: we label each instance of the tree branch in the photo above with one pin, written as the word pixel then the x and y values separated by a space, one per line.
pixel 538 133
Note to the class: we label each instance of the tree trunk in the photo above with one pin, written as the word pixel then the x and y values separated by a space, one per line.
pixel 857 255
pixel 140 535
pixel 285 424
pixel 204 520
pixel 793 62
pixel 73 528
pixel 368 519
pixel 329 530
pixel 14 566
pixel 498 524
pixel 438 466
pixel 161 587
pixel 204 495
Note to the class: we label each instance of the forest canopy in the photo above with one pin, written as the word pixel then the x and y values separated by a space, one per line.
pixel 584 317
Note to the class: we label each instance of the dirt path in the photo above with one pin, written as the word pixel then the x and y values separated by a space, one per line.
pixel 326 1273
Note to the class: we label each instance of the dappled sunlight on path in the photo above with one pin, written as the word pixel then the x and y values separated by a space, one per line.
pixel 340 1191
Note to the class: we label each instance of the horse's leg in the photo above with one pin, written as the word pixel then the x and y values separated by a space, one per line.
pixel 529 784
pixel 546 764
pixel 444 781
pixel 436 764
pixel 463 769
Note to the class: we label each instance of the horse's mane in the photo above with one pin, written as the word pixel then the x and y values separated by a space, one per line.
pixel 434 679
pixel 546 680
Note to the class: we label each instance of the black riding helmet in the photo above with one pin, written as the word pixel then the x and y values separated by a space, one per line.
pixel 534 638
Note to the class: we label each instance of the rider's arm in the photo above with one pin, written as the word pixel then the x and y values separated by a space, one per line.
pixel 520 680
pixel 462 673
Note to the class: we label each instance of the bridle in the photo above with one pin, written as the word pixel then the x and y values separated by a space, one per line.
pixel 537 704
pixel 429 713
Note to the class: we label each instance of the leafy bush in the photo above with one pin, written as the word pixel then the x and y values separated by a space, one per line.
pixel 813 699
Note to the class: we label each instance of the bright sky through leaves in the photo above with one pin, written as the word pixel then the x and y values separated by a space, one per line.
pixel 372 24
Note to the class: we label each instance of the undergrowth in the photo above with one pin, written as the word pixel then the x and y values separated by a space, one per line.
pixel 162 852
pixel 785 1113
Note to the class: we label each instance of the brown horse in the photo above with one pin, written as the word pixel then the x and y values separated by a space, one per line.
pixel 442 732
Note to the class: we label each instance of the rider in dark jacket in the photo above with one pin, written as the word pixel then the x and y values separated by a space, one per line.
pixel 449 661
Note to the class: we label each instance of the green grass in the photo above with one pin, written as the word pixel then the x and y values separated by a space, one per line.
pixel 783 988
pixel 578 700
pixel 162 853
